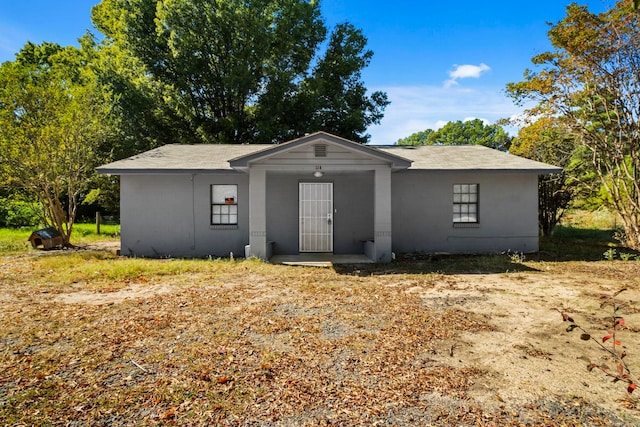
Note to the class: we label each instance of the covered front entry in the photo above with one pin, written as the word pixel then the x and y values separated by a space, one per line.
pixel 281 225
pixel 316 216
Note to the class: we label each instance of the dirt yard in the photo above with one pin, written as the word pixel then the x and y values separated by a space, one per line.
pixel 96 339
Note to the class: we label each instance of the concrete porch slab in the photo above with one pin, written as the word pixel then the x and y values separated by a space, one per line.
pixel 319 259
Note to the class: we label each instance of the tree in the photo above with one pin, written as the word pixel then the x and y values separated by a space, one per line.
pixel 52 122
pixel 592 81
pixel 335 91
pixel 470 132
pixel 236 71
pixel 418 138
pixel 545 140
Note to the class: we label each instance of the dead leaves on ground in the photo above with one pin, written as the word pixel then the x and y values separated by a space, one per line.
pixel 253 344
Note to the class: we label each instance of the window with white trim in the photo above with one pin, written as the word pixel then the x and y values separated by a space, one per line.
pixel 224 204
pixel 465 203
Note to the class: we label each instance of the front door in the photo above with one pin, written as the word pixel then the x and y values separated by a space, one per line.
pixel 316 217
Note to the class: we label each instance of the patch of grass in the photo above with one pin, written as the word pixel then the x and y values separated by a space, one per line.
pixel 600 219
pixel 14 240
pixel 86 232
pixel 582 236
pixel 232 340
pixel 105 270
pixel 590 247
pixel 568 232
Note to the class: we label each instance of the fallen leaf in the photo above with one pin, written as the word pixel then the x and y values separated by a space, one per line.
pixel 224 380
pixel 169 414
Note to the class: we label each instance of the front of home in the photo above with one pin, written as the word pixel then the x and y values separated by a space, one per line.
pixel 324 194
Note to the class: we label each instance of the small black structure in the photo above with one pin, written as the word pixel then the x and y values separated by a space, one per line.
pixel 47 237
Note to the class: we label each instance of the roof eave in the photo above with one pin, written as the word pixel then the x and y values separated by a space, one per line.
pixel 157 171
pixel 541 171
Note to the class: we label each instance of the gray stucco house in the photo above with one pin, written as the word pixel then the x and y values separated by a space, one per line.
pixel 325 194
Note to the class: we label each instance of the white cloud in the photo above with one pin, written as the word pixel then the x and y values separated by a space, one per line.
pixel 465 72
pixel 416 108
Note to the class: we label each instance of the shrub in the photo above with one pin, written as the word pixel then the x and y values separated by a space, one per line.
pixel 609 343
pixel 17 212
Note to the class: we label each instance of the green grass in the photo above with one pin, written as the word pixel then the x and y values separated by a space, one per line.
pixel 14 240
pixel 86 232
pixel 106 270
pixel 582 235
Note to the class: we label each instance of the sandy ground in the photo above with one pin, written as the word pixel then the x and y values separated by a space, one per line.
pixel 529 354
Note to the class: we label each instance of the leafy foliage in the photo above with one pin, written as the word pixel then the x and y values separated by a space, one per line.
pixel 418 138
pixel 237 71
pixel 335 90
pixel 17 212
pixel 545 140
pixel 470 132
pixel 216 71
pixel 53 119
pixel 591 80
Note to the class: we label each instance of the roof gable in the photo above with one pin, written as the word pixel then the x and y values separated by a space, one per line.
pixel 319 147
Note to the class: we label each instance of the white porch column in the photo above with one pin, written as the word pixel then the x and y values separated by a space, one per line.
pixel 382 214
pixel 258 212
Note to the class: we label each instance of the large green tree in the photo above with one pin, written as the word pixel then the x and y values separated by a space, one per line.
pixel 53 122
pixel 591 79
pixel 237 71
pixel 335 95
pixel 546 140
pixel 469 132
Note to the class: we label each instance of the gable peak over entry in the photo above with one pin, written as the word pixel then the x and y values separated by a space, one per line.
pixel 332 151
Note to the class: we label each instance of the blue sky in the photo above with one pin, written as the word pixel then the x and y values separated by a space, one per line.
pixel 438 61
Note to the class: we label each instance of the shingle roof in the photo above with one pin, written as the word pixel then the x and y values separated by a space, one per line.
pixel 215 157
pixel 183 157
pixel 466 158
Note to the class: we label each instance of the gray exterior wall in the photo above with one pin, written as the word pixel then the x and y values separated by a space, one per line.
pixel 169 215
pixel 422 204
pixel 353 210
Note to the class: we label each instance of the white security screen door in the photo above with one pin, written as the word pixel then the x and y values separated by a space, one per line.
pixel 316 217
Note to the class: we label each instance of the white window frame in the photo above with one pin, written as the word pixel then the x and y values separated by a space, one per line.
pixel 466 200
pixel 224 205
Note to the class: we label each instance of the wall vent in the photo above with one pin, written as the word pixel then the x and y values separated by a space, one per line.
pixel 320 150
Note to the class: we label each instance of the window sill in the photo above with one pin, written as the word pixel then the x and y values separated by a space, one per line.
pixel 466 225
pixel 224 227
